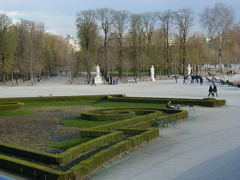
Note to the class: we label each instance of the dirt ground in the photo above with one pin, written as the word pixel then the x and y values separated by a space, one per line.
pixel 38 131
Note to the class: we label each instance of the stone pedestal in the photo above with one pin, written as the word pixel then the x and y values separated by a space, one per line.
pixel 98 80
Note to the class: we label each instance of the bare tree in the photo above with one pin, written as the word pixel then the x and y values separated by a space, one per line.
pixel 149 22
pixel 87 34
pixel 218 20
pixel 184 21
pixel 166 23
pixel 105 16
pixel 7 47
pixel 31 42
pixel 137 44
pixel 120 22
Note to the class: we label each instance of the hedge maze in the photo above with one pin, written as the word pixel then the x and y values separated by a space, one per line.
pixel 130 128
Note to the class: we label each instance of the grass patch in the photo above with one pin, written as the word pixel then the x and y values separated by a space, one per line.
pixel 18 112
pixel 78 122
pixel 70 143
pixel 60 103
pixel 127 105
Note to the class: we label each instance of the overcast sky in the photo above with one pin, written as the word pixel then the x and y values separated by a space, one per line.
pixel 59 15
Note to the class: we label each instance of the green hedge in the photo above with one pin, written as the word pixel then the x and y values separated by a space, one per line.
pixel 123 123
pixel 67 155
pixel 10 105
pixel 136 127
pixel 33 170
pixel 55 98
pixel 87 166
pixel 107 114
pixel 90 145
pixel 143 125
pixel 208 102
pixel 29 153
pixel 145 136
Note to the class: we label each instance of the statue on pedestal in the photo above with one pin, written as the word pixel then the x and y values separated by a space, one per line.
pixel 152 73
pixel 98 78
pixel 189 69
pixel 98 71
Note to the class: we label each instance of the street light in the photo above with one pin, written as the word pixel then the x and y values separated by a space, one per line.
pixel 220 59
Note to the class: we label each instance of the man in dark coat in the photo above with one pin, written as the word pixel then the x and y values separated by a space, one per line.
pixel 215 89
pixel 210 90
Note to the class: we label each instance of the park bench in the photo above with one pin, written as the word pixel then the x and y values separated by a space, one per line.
pixel 163 124
pixel 191 108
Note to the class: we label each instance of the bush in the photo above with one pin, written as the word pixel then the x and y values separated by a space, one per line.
pixel 107 114
pixel 10 106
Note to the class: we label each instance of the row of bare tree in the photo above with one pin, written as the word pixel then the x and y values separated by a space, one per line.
pixel 124 41
pixel 119 40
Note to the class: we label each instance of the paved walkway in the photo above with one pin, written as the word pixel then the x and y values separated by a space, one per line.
pixel 204 146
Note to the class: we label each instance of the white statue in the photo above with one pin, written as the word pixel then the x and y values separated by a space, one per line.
pixel 152 73
pixel 98 78
pixel 189 69
pixel 98 71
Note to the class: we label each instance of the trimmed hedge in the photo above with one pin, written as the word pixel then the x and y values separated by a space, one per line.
pixel 123 123
pixel 135 127
pixel 107 114
pixel 55 98
pixel 208 102
pixel 29 153
pixel 33 170
pixel 65 156
pixel 94 162
pixel 10 105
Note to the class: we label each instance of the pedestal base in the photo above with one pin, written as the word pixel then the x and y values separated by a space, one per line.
pixel 152 79
pixel 98 80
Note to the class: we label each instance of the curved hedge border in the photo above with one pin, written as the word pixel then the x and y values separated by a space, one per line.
pixel 124 134
pixel 10 105
pixel 107 114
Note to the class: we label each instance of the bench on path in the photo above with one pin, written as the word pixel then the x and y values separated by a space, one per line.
pixel 163 124
pixel 191 108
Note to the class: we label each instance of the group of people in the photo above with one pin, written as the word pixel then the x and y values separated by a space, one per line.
pixel 193 79
pixel 112 80
pixel 212 90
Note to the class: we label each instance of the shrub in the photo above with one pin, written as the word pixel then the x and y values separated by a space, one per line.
pixel 10 106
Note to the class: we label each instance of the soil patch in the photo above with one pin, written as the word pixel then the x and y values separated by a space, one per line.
pixel 38 131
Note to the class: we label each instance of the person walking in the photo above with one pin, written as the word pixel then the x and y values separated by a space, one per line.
pixel 93 82
pixel 215 89
pixel 176 78
pixel 184 79
pixel 210 90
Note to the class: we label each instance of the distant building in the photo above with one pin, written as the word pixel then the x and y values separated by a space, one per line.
pixel 71 40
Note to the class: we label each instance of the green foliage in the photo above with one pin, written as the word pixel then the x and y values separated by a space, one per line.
pixel 128 104
pixel 78 122
pixel 108 114
pixel 9 106
pixel 54 99
pixel 120 136
pixel 70 143
pixel 61 103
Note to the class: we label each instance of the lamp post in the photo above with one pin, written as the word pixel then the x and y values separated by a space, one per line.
pixel 220 59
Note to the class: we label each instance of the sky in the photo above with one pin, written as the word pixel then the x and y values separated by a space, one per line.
pixel 59 16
